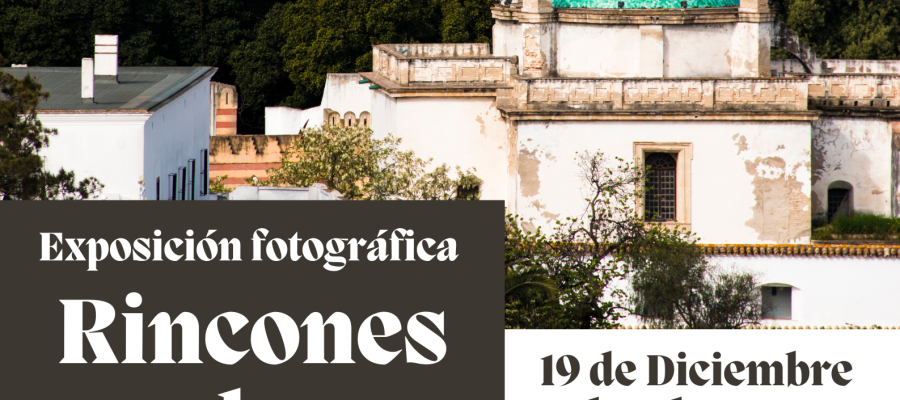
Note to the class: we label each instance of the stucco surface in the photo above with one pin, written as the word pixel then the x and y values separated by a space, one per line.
pixel 742 173
pixel 109 147
pixel 695 51
pixel 598 50
pixel 856 151
pixel 467 132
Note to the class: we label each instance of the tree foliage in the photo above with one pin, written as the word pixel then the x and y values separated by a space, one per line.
pixel 352 161
pixel 583 254
pixel 674 284
pixel 852 29
pixel 589 257
pixel 22 136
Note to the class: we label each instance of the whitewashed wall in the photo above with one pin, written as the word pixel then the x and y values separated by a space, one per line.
pixel 736 167
pixel 343 93
pixel 507 40
pixel 463 131
pixel 827 290
pixel 857 151
pixel 109 147
pixel 694 51
pixel 585 50
pixel 289 121
pixel 175 133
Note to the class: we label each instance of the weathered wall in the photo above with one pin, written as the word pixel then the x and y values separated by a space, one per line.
pixel 857 151
pixel 464 131
pixel 750 181
pixel 225 102
pixel 246 156
pixel 109 147
pixel 598 50
pixel 750 50
pixel 698 50
pixel 174 134
pixel 507 40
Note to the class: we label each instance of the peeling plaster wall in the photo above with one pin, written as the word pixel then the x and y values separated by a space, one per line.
pixel 750 181
pixel 750 50
pixel 694 51
pixel 857 151
pixel 507 40
pixel 585 50
pixel 466 131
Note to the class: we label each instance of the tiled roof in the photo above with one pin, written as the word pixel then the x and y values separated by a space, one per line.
pixel 804 250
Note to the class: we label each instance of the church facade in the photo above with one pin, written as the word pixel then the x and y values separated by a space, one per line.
pixel 749 150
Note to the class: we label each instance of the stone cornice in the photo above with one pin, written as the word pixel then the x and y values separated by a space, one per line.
pixel 679 16
pixel 598 115
pixel 393 89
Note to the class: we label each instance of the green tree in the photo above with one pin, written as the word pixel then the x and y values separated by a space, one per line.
pixel 22 136
pixel 674 284
pixel 466 21
pixel 854 29
pixel 583 255
pixel 352 161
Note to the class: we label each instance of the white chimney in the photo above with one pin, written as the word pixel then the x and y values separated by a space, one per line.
pixel 106 52
pixel 87 80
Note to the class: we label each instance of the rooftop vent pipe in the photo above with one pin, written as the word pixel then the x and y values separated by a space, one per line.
pixel 106 52
pixel 87 80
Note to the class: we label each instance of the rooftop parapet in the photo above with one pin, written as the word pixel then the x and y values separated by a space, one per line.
pixel 687 95
pixel 467 63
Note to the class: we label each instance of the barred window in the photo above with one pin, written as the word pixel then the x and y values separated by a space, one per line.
pixel 659 198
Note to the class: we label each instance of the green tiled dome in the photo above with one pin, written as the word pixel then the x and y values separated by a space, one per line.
pixel 644 3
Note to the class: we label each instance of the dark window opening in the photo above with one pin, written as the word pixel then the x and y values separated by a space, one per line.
pixel 182 172
pixel 659 199
pixel 204 172
pixel 838 202
pixel 173 180
pixel 157 188
pixel 192 178
pixel 776 302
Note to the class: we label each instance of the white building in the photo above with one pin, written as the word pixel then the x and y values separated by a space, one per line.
pixel 754 148
pixel 143 132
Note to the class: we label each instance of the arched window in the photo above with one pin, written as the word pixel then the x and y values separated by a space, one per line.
pixel 659 198
pixel 840 199
pixel 365 119
pixel 349 119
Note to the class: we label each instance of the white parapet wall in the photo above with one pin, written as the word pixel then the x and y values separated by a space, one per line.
pixel 289 121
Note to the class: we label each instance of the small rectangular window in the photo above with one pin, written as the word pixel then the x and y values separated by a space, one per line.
pixel 173 180
pixel 192 178
pixel 157 188
pixel 776 302
pixel 182 175
pixel 204 172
